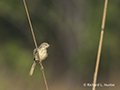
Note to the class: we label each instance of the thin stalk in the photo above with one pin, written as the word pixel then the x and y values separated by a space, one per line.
pixel 100 45
pixel 35 43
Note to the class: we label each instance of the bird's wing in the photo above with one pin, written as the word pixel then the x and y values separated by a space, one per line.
pixel 32 68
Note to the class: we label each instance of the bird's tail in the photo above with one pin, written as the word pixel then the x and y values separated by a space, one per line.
pixel 32 68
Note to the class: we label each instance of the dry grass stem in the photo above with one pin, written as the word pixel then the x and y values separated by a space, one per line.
pixel 100 45
pixel 35 43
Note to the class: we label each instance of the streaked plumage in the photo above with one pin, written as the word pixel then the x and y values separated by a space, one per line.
pixel 42 50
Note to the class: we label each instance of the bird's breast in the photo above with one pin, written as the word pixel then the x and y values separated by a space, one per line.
pixel 43 54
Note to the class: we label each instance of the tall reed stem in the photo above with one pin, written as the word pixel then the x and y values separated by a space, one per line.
pixel 35 43
pixel 100 45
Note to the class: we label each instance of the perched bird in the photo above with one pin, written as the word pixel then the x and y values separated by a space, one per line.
pixel 42 51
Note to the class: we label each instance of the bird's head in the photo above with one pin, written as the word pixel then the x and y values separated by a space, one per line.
pixel 44 45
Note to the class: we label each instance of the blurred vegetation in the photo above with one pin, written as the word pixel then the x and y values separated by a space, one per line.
pixel 72 27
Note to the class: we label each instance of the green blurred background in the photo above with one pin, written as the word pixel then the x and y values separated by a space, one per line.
pixel 72 27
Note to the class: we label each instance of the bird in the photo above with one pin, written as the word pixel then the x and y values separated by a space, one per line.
pixel 42 51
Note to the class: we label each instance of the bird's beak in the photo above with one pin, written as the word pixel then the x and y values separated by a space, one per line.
pixel 49 45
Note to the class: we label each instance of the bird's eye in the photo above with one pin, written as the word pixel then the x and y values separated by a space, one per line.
pixel 45 44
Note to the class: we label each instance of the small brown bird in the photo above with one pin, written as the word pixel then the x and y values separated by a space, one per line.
pixel 42 51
